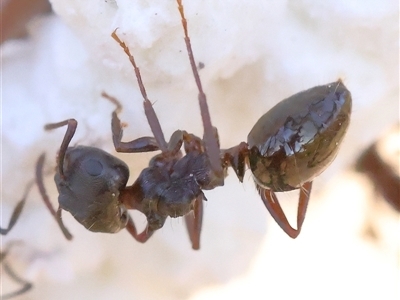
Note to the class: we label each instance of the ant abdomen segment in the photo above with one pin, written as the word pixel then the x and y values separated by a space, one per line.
pixel 291 144
pixel 298 138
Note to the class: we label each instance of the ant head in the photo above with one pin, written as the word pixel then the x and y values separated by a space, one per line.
pixel 298 138
pixel 90 188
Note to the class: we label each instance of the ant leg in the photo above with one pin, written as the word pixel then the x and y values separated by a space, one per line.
pixel 143 144
pixel 69 134
pixel 194 222
pixel 148 107
pixel 26 286
pixel 132 197
pixel 141 237
pixel 192 143
pixel 210 140
pixel 305 192
pixel 175 142
pixel 272 204
pixel 17 210
pixel 43 193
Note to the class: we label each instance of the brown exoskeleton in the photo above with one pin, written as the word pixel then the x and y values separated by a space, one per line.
pixel 286 149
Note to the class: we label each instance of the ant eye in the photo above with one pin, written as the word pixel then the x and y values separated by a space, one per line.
pixel 93 167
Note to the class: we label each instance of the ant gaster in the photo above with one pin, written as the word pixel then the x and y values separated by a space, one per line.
pixel 287 148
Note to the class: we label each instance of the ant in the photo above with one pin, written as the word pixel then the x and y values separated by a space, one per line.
pixel 287 148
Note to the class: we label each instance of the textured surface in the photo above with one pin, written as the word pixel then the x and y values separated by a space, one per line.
pixel 254 55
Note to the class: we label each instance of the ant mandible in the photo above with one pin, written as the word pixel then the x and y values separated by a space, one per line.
pixel 287 148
